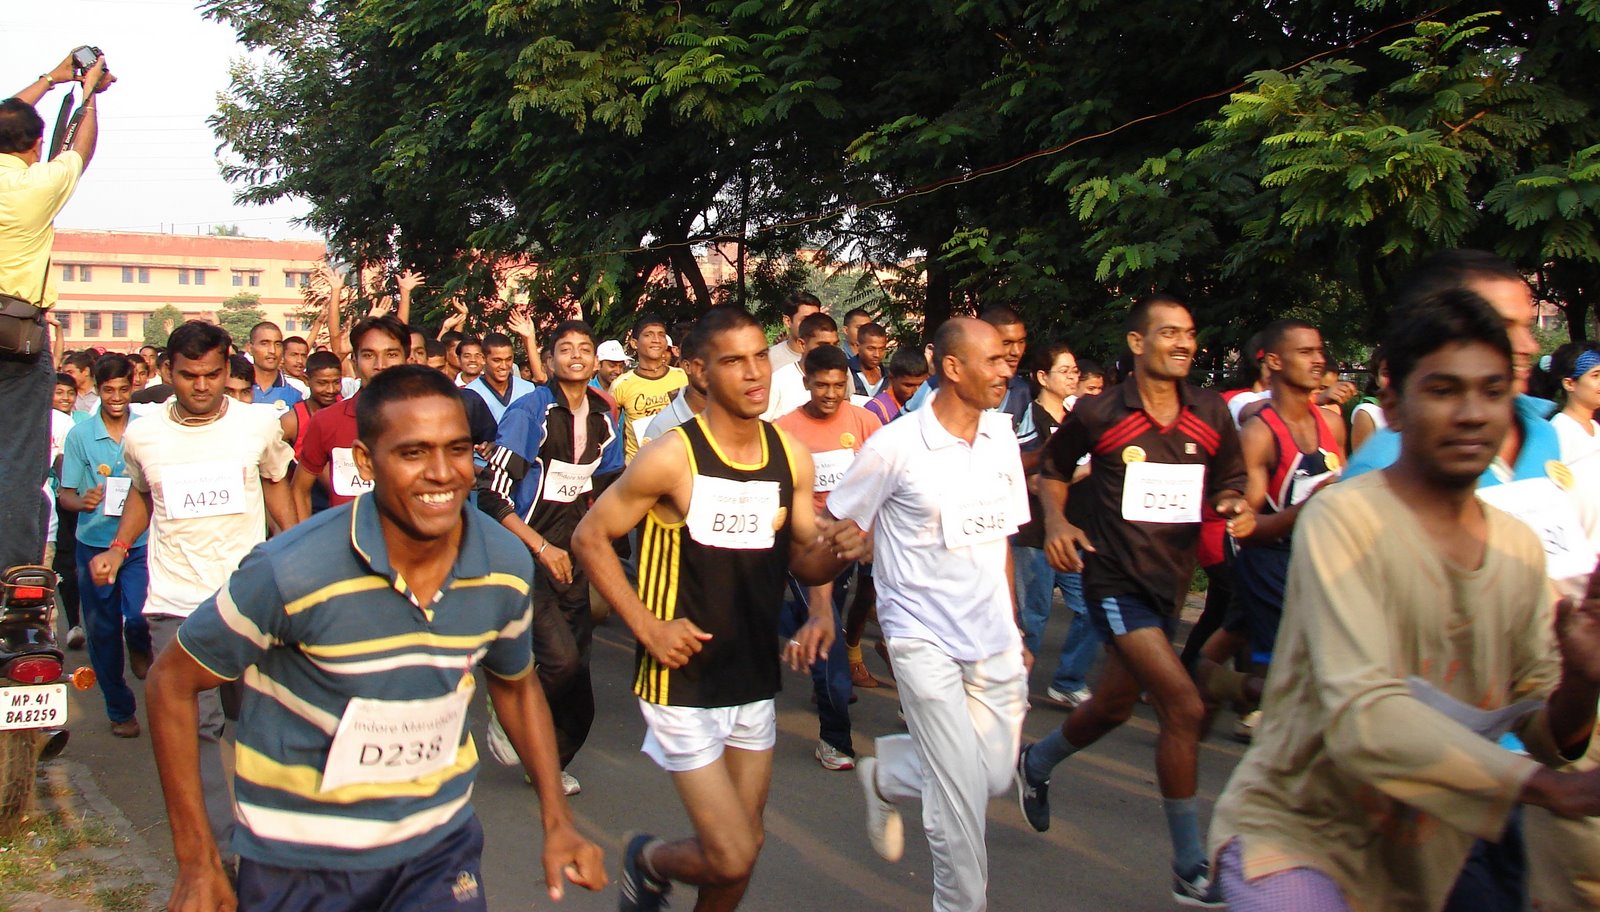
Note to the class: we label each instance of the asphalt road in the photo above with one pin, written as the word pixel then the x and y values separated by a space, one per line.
pixel 1107 847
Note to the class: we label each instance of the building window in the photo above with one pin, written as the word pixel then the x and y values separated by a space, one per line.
pixel 238 279
pixel 199 276
pixel 127 273
pixel 288 324
pixel 183 277
pixel 296 279
pixel 119 325
pixel 91 324
pixel 255 279
pixel 83 274
pixel 66 273
pixel 65 319
pixel 144 276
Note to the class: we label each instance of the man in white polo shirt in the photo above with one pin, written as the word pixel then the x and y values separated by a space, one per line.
pixel 205 473
pixel 943 491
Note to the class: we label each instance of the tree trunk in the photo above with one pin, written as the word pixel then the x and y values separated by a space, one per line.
pixel 930 229
pixel 687 266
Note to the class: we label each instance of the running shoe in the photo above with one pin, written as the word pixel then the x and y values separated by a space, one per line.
pixel 499 745
pixel 833 758
pixel 639 892
pixel 885 829
pixel 569 784
pixel 1244 730
pixel 75 638
pixel 1032 797
pixel 1197 891
pixel 1068 698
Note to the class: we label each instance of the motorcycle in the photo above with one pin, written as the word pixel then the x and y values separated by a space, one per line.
pixel 33 696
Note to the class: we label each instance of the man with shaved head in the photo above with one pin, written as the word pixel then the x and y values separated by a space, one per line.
pixel 947 607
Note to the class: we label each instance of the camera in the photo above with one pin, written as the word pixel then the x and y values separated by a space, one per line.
pixel 83 58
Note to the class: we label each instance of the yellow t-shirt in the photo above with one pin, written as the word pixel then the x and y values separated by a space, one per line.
pixel 1350 774
pixel 640 399
pixel 30 198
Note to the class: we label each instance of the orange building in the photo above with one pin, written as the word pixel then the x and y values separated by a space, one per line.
pixel 111 281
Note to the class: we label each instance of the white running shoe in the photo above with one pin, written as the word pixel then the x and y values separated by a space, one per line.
pixel 569 784
pixel 499 745
pixel 1070 699
pixel 833 758
pixel 885 830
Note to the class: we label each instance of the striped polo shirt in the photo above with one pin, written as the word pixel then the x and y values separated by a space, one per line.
pixel 318 616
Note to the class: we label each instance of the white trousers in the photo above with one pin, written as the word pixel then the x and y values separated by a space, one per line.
pixel 966 726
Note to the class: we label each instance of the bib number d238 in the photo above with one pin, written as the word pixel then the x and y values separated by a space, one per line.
pixel 738 515
pixel 1157 492
pixel 381 741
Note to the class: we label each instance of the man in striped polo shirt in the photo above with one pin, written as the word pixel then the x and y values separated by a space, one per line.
pixel 355 635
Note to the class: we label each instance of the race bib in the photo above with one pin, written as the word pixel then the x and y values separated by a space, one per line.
pixel 116 496
pixel 640 425
pixel 737 515
pixel 1301 486
pixel 347 480
pixel 564 481
pixel 202 489
pixel 1158 492
pixel 976 519
pixel 383 741
pixel 830 467
pixel 1549 511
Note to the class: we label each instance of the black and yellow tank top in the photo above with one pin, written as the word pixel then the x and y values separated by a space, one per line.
pixel 723 567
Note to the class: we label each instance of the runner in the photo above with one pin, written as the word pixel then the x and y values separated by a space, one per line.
pixel 850 331
pixel 1290 450
pixel 499 384
pixel 866 364
pixel 795 308
pixel 725 502
pixel 1159 449
pixel 644 391
pixel 323 377
pixel 270 384
pixel 942 491
pixel 613 361
pixel 1419 622
pixel 908 371
pixel 789 382
pixel 1577 364
pixel 95 484
pixel 469 355
pixel 326 453
pixel 240 382
pixel 320 626
pixel 556 446
pixel 834 431
pixel 295 352
pixel 205 473
pixel 1055 379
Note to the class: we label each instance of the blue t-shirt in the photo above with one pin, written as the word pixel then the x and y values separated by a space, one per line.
pixel 1540 444
pixel 89 446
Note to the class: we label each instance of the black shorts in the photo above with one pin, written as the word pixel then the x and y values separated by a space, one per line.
pixel 1260 576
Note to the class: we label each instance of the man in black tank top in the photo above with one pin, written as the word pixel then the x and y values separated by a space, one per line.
pixel 726 504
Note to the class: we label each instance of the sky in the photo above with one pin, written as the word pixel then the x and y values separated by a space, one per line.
pixel 155 168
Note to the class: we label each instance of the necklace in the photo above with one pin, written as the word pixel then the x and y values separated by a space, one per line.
pixel 197 421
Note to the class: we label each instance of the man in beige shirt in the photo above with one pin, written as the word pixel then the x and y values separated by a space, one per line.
pixel 1413 613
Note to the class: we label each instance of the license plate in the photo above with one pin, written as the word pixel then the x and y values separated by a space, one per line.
pixel 42 706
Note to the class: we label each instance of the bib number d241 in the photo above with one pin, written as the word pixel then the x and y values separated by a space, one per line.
pixel 1157 492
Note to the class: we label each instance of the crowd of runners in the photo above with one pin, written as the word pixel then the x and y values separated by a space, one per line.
pixel 1398 615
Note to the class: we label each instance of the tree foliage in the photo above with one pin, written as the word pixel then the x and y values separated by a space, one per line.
pixel 239 314
pixel 1057 156
pixel 160 324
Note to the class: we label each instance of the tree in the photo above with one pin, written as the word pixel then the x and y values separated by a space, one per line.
pixel 239 314
pixel 224 231
pixel 1057 156
pixel 160 324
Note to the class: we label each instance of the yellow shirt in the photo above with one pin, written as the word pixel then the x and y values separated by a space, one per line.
pixel 1349 774
pixel 640 399
pixel 30 198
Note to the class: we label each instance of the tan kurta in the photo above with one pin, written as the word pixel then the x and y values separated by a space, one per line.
pixel 1349 774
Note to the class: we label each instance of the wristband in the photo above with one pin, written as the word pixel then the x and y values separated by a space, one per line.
pixel 119 543
pixel 47 78
pixel 542 547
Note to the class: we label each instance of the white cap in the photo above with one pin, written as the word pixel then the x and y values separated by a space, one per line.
pixel 611 350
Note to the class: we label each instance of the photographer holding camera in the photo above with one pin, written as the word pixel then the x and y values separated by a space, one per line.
pixel 34 187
